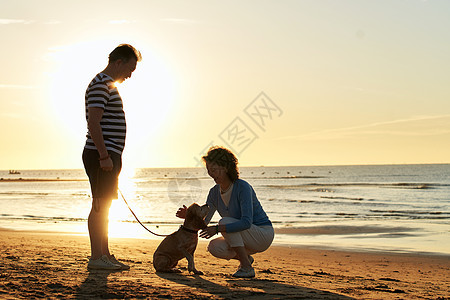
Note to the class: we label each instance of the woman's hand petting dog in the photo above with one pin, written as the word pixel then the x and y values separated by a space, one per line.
pixel 209 232
pixel 181 213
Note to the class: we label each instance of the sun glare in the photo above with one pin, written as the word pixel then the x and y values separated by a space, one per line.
pixel 119 225
pixel 73 66
pixel 120 218
pixel 119 213
pixel 147 96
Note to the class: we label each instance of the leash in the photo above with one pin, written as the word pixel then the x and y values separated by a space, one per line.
pixel 137 217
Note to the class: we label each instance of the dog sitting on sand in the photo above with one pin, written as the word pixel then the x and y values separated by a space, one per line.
pixel 182 243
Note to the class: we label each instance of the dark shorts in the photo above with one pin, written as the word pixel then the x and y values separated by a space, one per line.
pixel 103 184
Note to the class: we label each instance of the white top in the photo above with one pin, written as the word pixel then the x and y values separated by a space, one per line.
pixel 227 195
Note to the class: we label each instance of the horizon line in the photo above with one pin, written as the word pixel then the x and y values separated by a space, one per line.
pixel 252 166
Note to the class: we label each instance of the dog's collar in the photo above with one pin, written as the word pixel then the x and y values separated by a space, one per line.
pixel 188 230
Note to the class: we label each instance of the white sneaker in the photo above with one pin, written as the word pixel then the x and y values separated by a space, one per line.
pixel 245 273
pixel 114 260
pixel 102 263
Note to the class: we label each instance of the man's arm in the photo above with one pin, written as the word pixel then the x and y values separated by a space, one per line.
pixel 94 117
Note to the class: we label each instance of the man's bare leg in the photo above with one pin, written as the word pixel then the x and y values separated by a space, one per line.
pixel 104 239
pixel 98 227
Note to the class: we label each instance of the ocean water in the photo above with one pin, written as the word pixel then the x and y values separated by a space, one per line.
pixel 402 208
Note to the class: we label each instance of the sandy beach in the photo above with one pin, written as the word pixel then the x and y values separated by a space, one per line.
pixel 52 265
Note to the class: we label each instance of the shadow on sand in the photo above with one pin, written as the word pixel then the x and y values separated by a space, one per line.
pixel 249 288
pixel 95 286
pixel 110 285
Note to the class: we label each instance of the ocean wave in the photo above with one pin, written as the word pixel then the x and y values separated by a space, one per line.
pixel 332 200
pixel 287 177
pixel 24 193
pixel 343 230
pixel 363 214
pixel 41 218
pixel 342 198
pixel 412 214
pixel 324 187
pixel 196 177
pixel 27 179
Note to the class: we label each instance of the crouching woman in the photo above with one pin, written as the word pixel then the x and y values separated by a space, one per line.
pixel 244 226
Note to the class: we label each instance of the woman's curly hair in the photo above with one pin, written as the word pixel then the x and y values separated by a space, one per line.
pixel 224 158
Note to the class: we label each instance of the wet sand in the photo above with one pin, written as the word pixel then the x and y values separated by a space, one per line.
pixel 52 265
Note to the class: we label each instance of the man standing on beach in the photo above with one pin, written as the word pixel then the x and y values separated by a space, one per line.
pixel 102 154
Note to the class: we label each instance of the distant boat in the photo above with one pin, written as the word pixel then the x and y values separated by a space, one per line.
pixel 14 172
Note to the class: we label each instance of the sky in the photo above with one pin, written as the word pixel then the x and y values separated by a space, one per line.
pixel 278 82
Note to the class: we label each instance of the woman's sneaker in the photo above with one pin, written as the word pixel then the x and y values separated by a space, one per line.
pixel 245 273
pixel 123 266
pixel 102 263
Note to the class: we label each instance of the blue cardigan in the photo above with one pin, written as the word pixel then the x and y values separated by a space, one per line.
pixel 244 206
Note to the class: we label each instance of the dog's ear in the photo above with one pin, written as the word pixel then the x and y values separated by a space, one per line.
pixel 190 212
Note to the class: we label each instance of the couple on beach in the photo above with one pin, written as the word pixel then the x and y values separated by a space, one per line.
pixel 244 226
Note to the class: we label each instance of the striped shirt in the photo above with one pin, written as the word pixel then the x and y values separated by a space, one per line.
pixel 102 93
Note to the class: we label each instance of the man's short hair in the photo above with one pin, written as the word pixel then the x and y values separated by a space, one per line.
pixel 125 52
